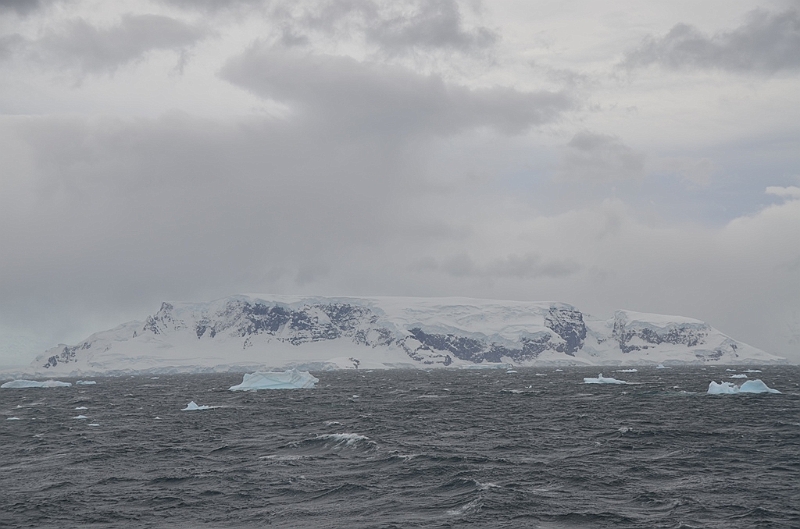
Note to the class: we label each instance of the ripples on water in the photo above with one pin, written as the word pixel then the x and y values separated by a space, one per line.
pixel 405 449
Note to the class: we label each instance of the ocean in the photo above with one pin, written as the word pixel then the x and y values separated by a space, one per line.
pixel 394 449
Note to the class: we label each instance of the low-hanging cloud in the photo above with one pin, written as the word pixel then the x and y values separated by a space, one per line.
pixel 767 42
pixel 378 98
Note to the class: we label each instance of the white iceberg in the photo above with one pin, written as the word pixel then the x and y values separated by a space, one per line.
pixel 85 383
pixel 728 388
pixel 17 384
pixel 634 370
pixel 289 379
pixel 193 406
pixel 603 380
pixel 741 375
pixel 81 417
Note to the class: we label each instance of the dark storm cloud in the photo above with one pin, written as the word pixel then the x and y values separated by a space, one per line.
pixel 599 157
pixel 767 42
pixel 85 48
pixel 376 98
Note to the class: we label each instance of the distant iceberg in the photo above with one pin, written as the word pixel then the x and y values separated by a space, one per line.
pixel 192 406
pixel 728 388
pixel 17 384
pixel 86 382
pixel 290 379
pixel 603 380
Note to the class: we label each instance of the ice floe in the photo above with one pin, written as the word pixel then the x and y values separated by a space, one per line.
pixel 17 384
pixel 85 383
pixel 193 406
pixel 634 370
pixel 602 380
pixel 741 375
pixel 13 418
pixel 289 379
pixel 81 408
pixel 728 388
pixel 81 417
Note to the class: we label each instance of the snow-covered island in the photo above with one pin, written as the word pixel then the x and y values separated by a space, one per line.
pixel 256 332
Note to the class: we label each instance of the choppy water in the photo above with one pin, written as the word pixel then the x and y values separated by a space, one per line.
pixel 537 448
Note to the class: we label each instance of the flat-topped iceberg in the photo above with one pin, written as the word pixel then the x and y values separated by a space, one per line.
pixel 751 386
pixel 17 384
pixel 602 380
pixel 289 379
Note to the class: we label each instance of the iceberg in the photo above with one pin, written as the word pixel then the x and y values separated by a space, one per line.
pixel 86 383
pixel 289 379
pixel 728 388
pixel 603 380
pixel 192 406
pixel 742 375
pixel 17 384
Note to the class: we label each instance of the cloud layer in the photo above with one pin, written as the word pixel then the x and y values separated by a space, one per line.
pixel 397 148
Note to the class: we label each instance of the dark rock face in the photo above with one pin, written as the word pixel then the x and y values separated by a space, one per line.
pixel 687 335
pixel 568 324
pixel 66 356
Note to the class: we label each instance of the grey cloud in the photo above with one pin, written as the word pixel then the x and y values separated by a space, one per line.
pixel 376 98
pixel 23 7
pixel 392 28
pixel 767 42
pixel 89 49
pixel 601 158
pixel 435 24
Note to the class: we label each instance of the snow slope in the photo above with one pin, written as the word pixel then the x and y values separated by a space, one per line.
pixel 251 332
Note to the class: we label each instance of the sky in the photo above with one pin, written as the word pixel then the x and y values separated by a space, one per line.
pixel 636 155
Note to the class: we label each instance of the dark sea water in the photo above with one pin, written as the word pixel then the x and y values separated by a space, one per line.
pixel 537 448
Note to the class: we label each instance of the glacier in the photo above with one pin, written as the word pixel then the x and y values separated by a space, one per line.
pixel 249 333
pixel 289 379
pixel 728 388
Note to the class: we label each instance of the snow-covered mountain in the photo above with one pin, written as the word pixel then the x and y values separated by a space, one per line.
pixel 255 331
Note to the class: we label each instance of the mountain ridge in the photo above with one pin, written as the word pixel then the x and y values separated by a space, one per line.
pixel 271 331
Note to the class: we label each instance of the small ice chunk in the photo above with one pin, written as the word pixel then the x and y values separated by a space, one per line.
pixel 289 379
pixel 510 372
pixel 17 384
pixel 12 418
pixel 661 366
pixel 753 371
pixel 192 406
pixel 81 408
pixel 80 417
pixel 741 375
pixel 634 370
pixel 603 380
pixel 93 424
pixel 728 388
pixel 86 383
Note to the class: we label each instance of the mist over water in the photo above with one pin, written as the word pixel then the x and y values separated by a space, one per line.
pixel 486 448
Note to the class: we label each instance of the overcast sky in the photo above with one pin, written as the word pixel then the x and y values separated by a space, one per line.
pixel 637 154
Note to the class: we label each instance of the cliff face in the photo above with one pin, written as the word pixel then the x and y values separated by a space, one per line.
pixel 278 331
